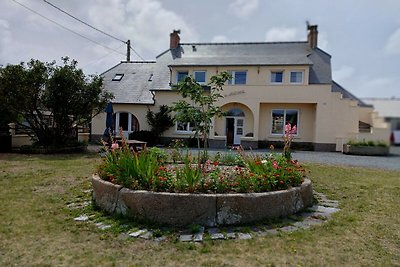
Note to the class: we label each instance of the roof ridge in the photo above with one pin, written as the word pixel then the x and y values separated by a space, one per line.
pixel 246 43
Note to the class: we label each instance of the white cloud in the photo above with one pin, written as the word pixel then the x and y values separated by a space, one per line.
pixel 219 39
pixel 148 28
pixel 281 34
pixel 243 8
pixel 342 74
pixel 393 43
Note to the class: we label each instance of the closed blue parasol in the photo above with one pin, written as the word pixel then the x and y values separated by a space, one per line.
pixel 109 121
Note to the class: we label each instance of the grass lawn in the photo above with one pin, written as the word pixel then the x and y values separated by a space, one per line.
pixel 37 226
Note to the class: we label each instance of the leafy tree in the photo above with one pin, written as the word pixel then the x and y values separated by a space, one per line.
pixel 201 108
pixel 51 99
pixel 159 121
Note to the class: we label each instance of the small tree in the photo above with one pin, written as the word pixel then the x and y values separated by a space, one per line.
pixel 52 99
pixel 201 108
pixel 159 121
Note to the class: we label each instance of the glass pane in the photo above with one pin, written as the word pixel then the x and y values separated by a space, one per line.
pixel 292 117
pixel 200 76
pixel 277 77
pixel 235 112
pixel 123 121
pixel 296 77
pixel 239 123
pixel 181 126
pixel 182 75
pixel 240 77
pixel 239 131
pixel 277 121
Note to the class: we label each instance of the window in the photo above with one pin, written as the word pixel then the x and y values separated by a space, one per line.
pixel 118 77
pixel 181 75
pixel 296 77
pixel 184 126
pixel 277 77
pixel 200 76
pixel 238 77
pixel 281 117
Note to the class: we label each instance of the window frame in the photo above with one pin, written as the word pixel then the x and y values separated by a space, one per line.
pixel 181 72
pixel 189 129
pixel 285 121
pixel 296 71
pixel 200 71
pixel 118 77
pixel 233 80
pixel 271 76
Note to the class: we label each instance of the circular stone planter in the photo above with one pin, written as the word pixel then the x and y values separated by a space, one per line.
pixel 180 209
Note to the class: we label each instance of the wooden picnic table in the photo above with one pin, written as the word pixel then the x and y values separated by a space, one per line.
pixel 134 145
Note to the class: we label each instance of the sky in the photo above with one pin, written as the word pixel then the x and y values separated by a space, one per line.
pixel 362 36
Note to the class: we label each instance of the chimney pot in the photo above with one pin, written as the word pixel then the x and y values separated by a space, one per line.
pixel 312 35
pixel 174 39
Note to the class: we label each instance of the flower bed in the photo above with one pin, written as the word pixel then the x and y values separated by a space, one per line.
pixel 180 188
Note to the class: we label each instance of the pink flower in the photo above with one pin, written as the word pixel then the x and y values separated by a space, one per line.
pixel 114 146
pixel 275 165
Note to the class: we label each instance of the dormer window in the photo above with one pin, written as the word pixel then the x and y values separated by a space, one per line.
pixel 118 77
pixel 296 77
pixel 181 75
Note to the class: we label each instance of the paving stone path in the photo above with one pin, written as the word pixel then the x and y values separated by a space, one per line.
pixel 313 216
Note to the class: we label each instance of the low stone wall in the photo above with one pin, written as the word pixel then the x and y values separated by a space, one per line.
pixel 365 150
pixel 180 209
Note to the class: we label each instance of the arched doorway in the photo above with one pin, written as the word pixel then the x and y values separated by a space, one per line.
pixel 234 126
pixel 127 121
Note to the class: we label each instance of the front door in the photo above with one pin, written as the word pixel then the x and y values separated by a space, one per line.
pixel 234 130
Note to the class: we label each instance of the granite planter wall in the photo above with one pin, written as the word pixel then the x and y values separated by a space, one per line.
pixel 365 150
pixel 180 209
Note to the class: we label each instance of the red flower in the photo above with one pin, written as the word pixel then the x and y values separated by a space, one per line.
pixel 281 182
pixel 215 163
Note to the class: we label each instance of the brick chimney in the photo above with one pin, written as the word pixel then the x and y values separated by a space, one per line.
pixel 312 35
pixel 174 39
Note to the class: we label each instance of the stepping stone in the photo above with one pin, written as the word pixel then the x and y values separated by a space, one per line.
pixel 146 235
pixel 138 233
pixel 217 236
pixel 230 234
pixel 185 237
pixel 289 228
pixel 198 237
pixel 81 218
pixel 244 236
pixel 102 226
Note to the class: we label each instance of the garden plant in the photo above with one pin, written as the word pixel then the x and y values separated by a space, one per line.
pixel 153 169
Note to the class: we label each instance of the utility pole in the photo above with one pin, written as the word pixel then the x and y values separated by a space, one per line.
pixel 128 50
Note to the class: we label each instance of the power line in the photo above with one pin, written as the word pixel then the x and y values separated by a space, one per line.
pixel 65 28
pixel 137 53
pixel 94 28
pixel 81 21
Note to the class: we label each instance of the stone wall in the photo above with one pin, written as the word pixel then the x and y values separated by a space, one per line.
pixel 180 209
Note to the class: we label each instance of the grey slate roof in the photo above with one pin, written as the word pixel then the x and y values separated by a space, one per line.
pixel 135 87
pixel 346 94
pixel 231 54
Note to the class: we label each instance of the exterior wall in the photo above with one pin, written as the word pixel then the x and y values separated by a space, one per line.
pixel 140 111
pixel 326 120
